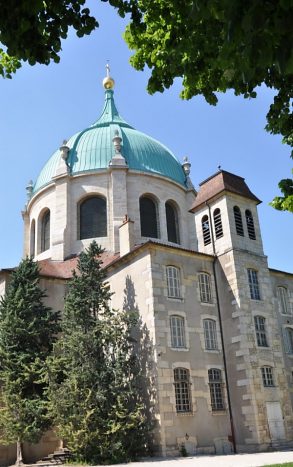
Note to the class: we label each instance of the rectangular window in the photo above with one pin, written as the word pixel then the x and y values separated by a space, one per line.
pixel 253 284
pixel 288 338
pixel 260 331
pixel 210 334
pixel 177 326
pixel 173 282
pixel 267 376
pixel 216 389
pixel 283 300
pixel 205 288
pixel 182 390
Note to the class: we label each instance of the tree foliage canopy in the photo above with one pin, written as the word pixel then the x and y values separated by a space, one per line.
pixel 32 31
pixel 216 46
pixel 213 46
pixel 95 373
pixel 27 331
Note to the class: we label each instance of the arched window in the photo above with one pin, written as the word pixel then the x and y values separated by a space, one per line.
pixel 45 231
pixel 210 334
pixel 206 230
pixel 172 223
pixel 283 300
pixel 250 224
pixel 93 218
pixel 148 217
pixel 32 238
pixel 218 223
pixel 182 390
pixel 177 326
pixel 173 282
pixel 238 221
pixel 216 389
pixel 204 280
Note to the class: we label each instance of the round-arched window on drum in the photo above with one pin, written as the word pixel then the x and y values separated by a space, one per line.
pixel 172 223
pixel 148 217
pixel 93 218
pixel 45 231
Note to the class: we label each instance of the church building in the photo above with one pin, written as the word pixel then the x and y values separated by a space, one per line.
pixel 219 320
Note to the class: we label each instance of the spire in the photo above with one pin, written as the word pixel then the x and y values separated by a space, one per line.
pixel 110 113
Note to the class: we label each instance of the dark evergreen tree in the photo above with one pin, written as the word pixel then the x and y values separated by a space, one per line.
pixel 95 373
pixel 28 329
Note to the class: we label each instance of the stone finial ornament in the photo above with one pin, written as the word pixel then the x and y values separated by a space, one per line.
pixel 186 166
pixel 118 159
pixel 64 149
pixel 108 82
pixel 117 142
pixel 29 189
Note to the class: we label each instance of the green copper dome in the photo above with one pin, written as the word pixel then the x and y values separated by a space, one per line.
pixel 92 149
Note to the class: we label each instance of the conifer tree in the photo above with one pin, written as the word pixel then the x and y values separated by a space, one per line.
pixel 28 329
pixel 94 372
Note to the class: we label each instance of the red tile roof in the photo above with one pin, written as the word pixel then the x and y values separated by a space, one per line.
pixel 63 269
pixel 220 182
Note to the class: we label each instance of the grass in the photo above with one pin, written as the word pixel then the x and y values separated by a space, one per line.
pixel 288 464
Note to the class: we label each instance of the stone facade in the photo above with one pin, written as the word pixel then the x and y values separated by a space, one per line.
pixel 216 321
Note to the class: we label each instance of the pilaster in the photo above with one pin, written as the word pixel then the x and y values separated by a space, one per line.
pixel 26 235
pixel 60 245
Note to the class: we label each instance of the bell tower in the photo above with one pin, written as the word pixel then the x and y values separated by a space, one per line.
pixel 226 215
pixel 227 227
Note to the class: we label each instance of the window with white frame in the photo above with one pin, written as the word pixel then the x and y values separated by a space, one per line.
pixel 173 282
pixel 267 376
pixel 177 326
pixel 216 389
pixel 182 390
pixel 253 284
pixel 288 336
pixel 260 331
pixel 205 287
pixel 210 334
pixel 283 300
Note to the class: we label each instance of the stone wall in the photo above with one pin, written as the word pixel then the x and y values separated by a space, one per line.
pixel 122 189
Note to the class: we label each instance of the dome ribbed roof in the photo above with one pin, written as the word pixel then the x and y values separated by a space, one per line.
pixel 92 149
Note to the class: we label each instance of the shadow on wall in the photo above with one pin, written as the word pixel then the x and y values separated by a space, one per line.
pixel 146 381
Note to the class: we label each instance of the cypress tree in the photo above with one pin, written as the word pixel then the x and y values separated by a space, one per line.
pixel 28 329
pixel 94 374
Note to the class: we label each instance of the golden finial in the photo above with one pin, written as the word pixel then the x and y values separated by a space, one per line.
pixel 108 82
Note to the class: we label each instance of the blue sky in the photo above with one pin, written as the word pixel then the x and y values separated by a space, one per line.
pixel 43 105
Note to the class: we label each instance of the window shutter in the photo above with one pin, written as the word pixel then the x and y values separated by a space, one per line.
pixel 286 340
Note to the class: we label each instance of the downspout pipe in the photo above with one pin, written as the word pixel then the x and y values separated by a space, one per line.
pixel 222 334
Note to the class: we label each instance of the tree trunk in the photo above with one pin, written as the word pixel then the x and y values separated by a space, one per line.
pixel 19 458
pixel 61 444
